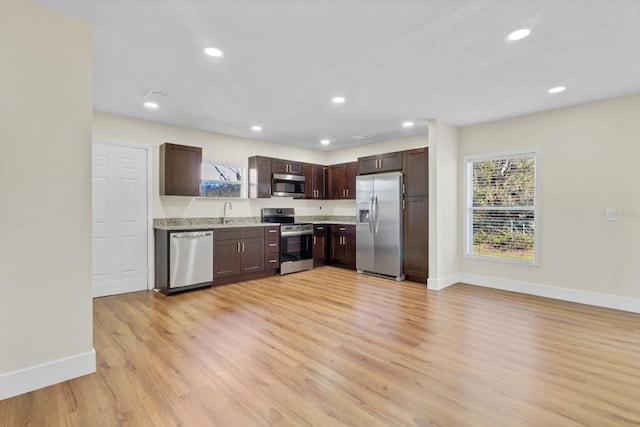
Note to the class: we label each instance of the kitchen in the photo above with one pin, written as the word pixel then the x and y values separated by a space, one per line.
pixel 47 306
pixel 407 206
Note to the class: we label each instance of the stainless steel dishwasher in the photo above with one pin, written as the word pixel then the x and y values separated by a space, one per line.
pixel 190 258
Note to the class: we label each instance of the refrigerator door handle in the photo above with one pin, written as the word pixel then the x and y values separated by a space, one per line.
pixel 375 217
pixel 371 213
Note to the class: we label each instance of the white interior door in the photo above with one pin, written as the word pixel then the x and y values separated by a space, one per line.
pixel 120 229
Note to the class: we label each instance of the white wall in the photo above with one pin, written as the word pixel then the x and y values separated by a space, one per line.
pixel 588 162
pixel 231 150
pixel 45 198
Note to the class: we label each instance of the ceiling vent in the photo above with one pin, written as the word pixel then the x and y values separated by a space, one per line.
pixel 358 137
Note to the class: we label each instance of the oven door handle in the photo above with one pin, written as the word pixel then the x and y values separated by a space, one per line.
pixel 296 233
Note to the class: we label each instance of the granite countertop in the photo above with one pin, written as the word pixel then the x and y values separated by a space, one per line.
pixel 334 222
pixel 190 227
pixel 188 224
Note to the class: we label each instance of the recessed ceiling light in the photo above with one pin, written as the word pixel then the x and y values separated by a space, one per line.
pixel 256 128
pixel 325 141
pixel 212 51
pixel 338 100
pixel 519 34
pixel 407 124
pixel 151 105
pixel 557 89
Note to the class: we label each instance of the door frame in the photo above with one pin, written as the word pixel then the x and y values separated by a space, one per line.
pixel 150 247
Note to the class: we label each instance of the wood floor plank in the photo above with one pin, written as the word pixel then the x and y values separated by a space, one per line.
pixel 330 347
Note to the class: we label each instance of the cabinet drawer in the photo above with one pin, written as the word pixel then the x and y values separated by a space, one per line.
pixel 251 232
pixel 272 243
pixel 272 230
pixel 272 260
pixel 226 233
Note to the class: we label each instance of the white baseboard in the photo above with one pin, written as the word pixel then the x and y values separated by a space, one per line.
pixel 35 377
pixel 573 295
pixel 439 284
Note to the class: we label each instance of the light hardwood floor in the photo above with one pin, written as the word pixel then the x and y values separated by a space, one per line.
pixel 330 347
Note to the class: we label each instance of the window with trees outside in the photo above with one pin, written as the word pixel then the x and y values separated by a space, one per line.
pixel 221 181
pixel 501 214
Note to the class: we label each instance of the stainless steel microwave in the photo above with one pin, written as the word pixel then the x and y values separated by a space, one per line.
pixel 287 186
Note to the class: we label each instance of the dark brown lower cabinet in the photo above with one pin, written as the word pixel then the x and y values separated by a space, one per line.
pixel 415 240
pixel 319 245
pixel 342 246
pixel 239 253
pixel 272 248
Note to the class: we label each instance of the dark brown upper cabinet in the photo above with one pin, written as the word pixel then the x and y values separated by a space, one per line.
pixel 286 167
pixel 416 172
pixel 314 181
pixel 180 170
pixel 260 177
pixel 380 163
pixel 342 180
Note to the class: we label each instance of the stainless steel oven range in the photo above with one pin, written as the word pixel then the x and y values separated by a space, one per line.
pixel 296 249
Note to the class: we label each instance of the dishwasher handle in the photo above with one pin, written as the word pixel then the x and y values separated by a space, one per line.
pixel 191 234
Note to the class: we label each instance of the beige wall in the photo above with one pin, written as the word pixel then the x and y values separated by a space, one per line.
pixel 45 189
pixel 231 150
pixel 443 203
pixel 588 162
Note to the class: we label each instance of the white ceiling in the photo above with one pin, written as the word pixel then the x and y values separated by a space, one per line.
pixel 393 60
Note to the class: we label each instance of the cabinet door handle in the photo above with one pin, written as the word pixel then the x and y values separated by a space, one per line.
pixel 238 247
pixel 403 189
pixel 314 240
pixel 342 229
pixel 319 228
pixel 403 205
pixel 273 261
pixel 242 246
pixel 347 193
pixel 273 231
pixel 271 245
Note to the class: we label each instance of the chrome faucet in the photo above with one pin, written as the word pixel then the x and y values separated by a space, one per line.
pixel 224 211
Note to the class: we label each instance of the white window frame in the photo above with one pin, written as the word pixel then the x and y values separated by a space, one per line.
pixel 468 204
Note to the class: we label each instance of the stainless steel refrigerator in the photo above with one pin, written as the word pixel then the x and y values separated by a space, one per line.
pixel 379 224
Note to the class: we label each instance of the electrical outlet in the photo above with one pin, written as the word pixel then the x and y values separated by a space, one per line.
pixel 611 215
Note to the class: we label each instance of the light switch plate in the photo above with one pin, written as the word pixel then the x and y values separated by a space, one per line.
pixel 611 215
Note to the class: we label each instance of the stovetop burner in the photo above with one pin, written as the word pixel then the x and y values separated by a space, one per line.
pixel 286 218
